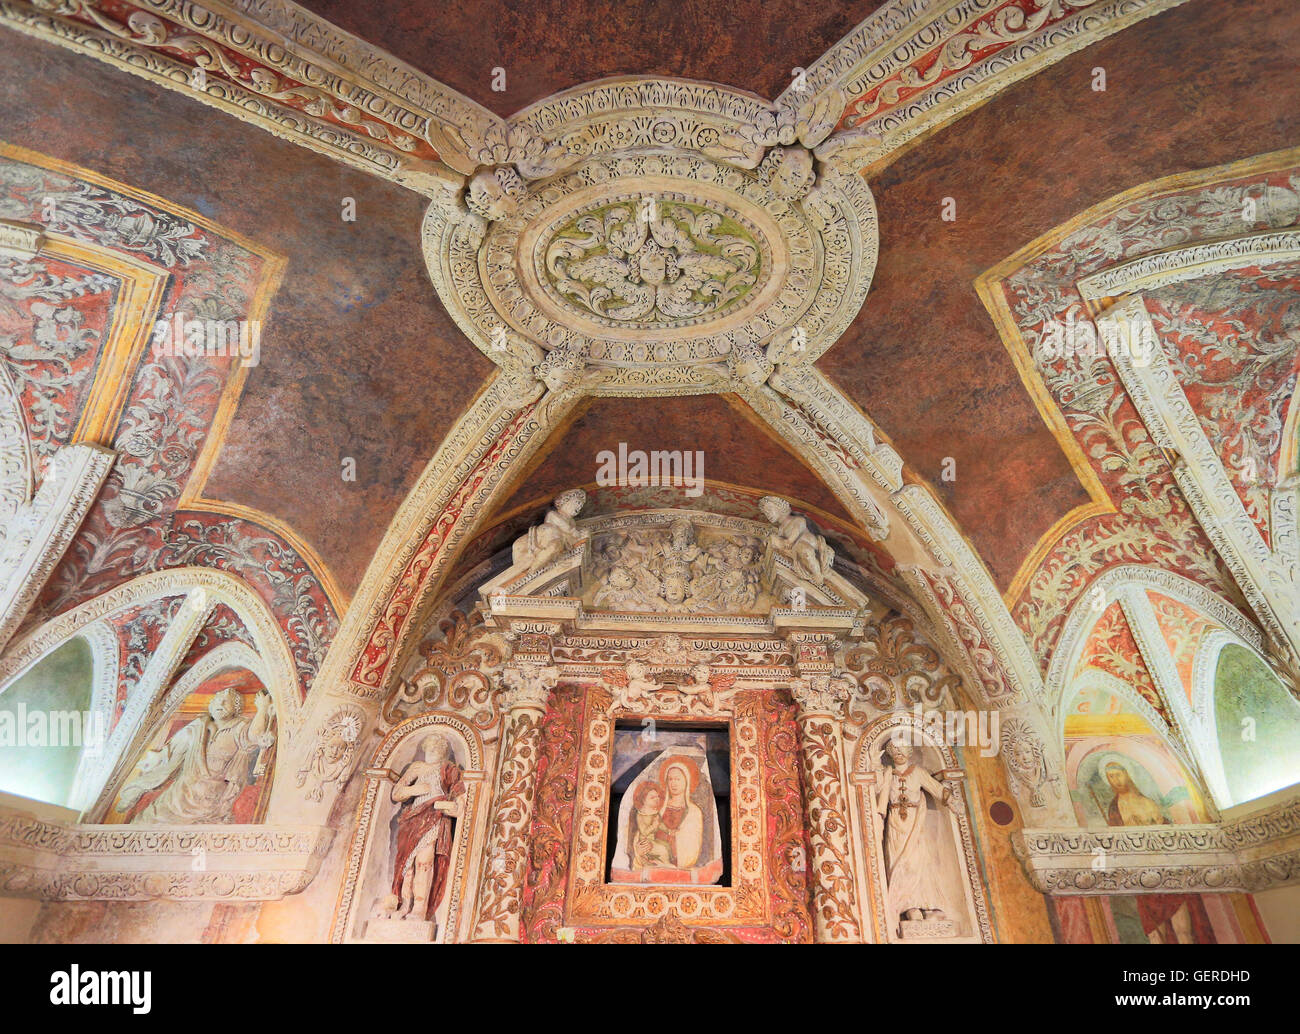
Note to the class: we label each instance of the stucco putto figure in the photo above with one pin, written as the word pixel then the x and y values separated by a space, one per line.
pixel 812 555
pixel 557 532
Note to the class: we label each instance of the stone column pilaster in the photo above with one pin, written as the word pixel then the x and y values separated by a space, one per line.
pixel 527 686
pixel 821 699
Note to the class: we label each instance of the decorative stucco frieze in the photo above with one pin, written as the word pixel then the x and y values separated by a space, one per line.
pixel 1250 854
pixel 57 862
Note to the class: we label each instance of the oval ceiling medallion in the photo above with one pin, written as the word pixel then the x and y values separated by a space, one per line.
pixel 665 241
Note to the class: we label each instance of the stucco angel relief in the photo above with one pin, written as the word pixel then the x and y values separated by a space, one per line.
pixel 651 263
pixel 673 570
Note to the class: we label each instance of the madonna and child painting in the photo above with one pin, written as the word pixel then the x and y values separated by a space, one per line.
pixel 668 822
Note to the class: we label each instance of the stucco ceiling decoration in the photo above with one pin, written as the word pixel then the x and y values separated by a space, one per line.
pixel 276 65
pixel 915 65
pixel 659 234
pixel 909 68
pixel 778 180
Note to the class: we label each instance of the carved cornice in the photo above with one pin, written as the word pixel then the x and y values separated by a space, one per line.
pixel 1250 854
pixel 57 862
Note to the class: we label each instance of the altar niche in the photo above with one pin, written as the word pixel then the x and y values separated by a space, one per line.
pixel 410 856
pixel 670 804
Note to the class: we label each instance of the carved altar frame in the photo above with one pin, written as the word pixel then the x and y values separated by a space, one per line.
pixel 591 901
pixel 871 875
pixel 751 908
pixel 453 915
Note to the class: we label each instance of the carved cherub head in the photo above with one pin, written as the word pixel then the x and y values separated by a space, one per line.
pixel 682 532
pixel 675 588
pixel 655 265
pixel 787 172
pixel 494 193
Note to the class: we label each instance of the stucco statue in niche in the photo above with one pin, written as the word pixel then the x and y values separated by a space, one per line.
pixel 557 533
pixel 914 856
pixel 428 793
pixel 204 767
pixel 811 554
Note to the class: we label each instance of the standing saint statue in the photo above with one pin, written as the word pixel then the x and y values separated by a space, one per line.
pixel 427 792
pixel 913 862
pixel 205 766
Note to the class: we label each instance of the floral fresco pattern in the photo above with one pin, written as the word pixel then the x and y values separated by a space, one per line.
pixel 1152 522
pixel 135 526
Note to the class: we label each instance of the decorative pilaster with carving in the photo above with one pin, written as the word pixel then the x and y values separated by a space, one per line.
pixel 36 536
pixel 527 686
pixel 821 701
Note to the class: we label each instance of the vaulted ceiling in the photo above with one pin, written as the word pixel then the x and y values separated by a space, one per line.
pixel 362 362
pixel 552 45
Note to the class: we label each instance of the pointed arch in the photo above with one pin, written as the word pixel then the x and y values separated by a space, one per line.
pixel 202 590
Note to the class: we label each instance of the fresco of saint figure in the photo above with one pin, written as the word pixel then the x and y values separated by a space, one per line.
pixel 1166 918
pixel 198 774
pixel 1130 806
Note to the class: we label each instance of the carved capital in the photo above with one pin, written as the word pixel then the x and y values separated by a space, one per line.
pixel 527 685
pixel 821 695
